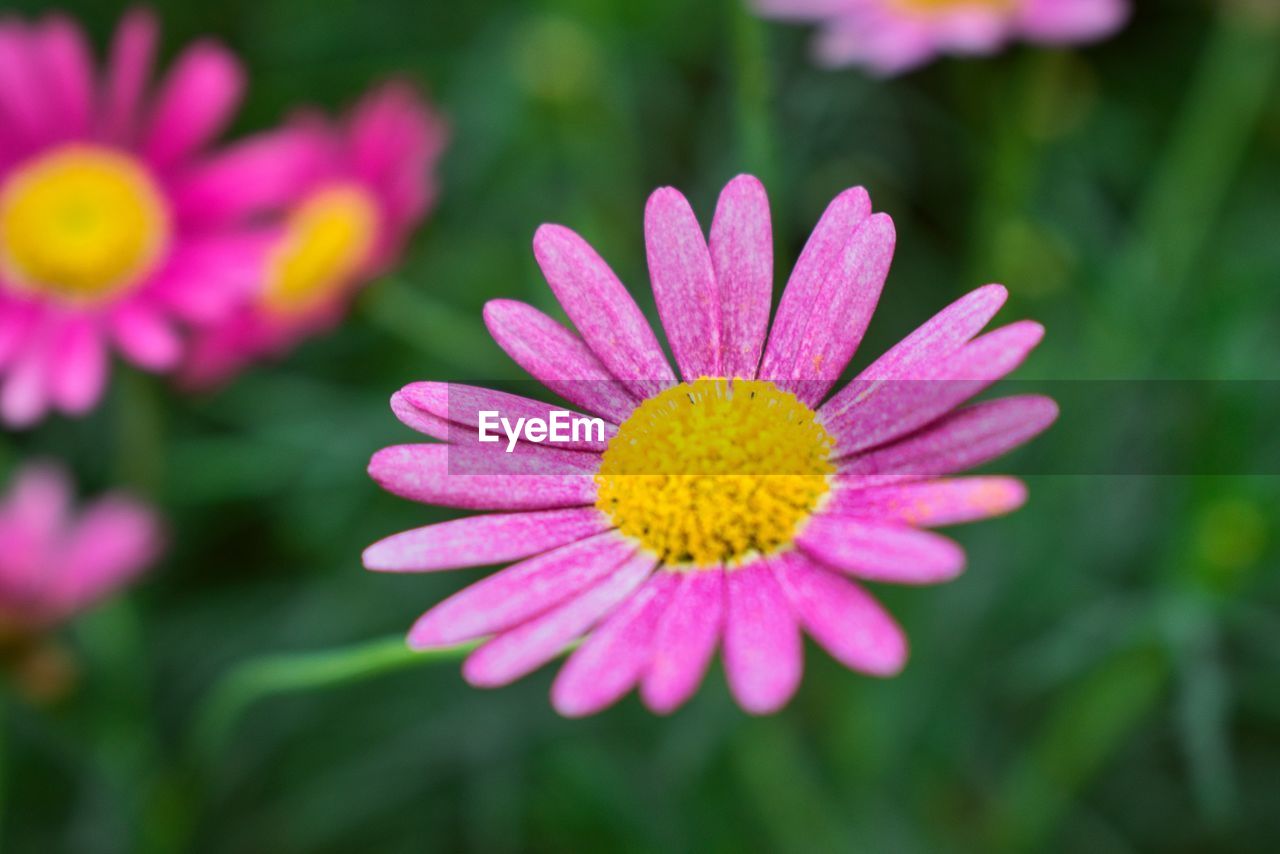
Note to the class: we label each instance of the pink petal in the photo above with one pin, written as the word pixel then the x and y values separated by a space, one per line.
pixel 394 140
pixel 423 422
pixel 973 31
pixel 128 68
pixel 881 551
pixel 207 278
pixel 145 338
pixel 842 617
pixel 25 398
pixel 602 310
pixel 612 659
pixel 867 413
pixel 556 357
pixel 460 405
pixel 804 292
pixel 483 540
pixel 520 592
pixel 932 503
pixel 847 302
pixel 38 503
pixel 32 517
pixel 684 284
pixel 17 322
pixel 885 47
pixel 194 103
pixel 944 333
pixel 79 369
pixel 421 473
pixel 68 71
pixel 964 439
pixel 112 542
pixel 25 117
pixel 254 176
pixel 527 647
pixel 762 648
pixel 218 351
pixel 467 456
pixel 1061 22
pixel 388 123
pixel 742 255
pixel 684 640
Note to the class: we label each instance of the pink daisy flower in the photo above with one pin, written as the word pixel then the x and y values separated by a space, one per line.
pixel 733 506
pixel 117 224
pixel 369 184
pixel 54 564
pixel 892 36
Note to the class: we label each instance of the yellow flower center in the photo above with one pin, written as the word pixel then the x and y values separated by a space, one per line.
pixel 935 6
pixel 81 222
pixel 714 471
pixel 327 240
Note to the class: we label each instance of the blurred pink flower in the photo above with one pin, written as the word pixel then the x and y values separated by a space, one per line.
pixel 892 36
pixel 369 183
pixel 118 225
pixel 54 564
pixel 708 517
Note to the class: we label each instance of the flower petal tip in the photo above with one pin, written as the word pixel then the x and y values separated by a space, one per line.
pixel 882 226
pixel 425 635
pixel 1046 410
pixel 744 182
pixel 549 237
pixel 374 558
pixel 891 667
pixel 759 708
pixel 569 705
pixel 664 197
pixel 494 309
pixel 478 673
pixel 659 705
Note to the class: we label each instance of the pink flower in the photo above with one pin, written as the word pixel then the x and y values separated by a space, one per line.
pixel 369 184
pixel 892 36
pixel 732 509
pixel 53 565
pixel 118 225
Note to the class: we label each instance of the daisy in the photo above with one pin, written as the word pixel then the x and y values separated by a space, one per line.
pixel 369 184
pixel 54 564
pixel 892 36
pixel 117 223
pixel 732 506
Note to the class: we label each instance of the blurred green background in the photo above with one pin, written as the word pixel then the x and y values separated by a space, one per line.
pixel 1105 677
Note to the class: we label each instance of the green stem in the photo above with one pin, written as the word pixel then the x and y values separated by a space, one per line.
pixel 752 95
pixel 289 673
pixel 1176 218
pixel 1006 105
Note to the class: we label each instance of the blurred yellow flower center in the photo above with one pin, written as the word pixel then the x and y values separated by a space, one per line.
pixel 327 240
pixel 713 471
pixel 951 5
pixel 81 222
